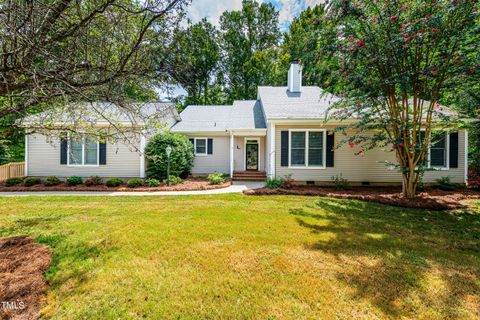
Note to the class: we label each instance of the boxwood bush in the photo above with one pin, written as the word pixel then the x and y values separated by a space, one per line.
pixel 51 181
pixel 73 181
pixel 13 181
pixel 181 158
pixel 135 182
pixel 94 181
pixel 31 181
pixel 113 182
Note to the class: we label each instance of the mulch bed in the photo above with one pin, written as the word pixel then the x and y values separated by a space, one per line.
pixel 431 198
pixel 189 184
pixel 22 284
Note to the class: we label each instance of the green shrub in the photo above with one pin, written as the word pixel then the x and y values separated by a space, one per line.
pixel 444 183
pixel 93 181
pixel 340 182
pixel 287 182
pixel 274 183
pixel 73 181
pixel 135 182
pixel 174 180
pixel 31 181
pixel 280 182
pixel 113 182
pixel 51 181
pixel 152 182
pixel 181 158
pixel 216 178
pixel 13 181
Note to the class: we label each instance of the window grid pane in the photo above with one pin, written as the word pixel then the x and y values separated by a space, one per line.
pixel 75 156
pixel 315 148
pixel 201 146
pixel 438 150
pixel 90 152
pixel 297 155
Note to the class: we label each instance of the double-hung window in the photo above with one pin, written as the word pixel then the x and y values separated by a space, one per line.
pixel 438 155
pixel 82 151
pixel 200 146
pixel 307 148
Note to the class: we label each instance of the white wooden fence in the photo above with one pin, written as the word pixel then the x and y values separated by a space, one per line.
pixel 11 170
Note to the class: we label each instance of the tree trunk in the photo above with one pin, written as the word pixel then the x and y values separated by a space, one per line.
pixel 409 184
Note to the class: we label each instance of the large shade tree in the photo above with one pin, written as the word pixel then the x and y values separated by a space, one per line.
pixel 194 60
pixel 396 57
pixel 58 51
pixel 249 41
pixel 309 39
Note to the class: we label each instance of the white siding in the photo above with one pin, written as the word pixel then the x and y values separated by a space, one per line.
pixel 357 168
pixel 239 153
pixel 218 162
pixel 44 160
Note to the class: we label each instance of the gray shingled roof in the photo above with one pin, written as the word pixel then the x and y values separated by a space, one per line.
pixel 247 114
pixel 279 103
pixel 203 118
pixel 98 112
pixel 241 115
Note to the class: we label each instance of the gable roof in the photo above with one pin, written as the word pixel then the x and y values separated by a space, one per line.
pixel 279 103
pixel 204 118
pixel 245 114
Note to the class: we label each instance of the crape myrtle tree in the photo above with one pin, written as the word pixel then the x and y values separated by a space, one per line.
pixel 395 58
pixel 63 54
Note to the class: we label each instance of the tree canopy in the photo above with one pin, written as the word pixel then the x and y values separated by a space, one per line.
pixel 395 58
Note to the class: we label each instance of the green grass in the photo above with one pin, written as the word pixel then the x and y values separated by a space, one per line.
pixel 235 256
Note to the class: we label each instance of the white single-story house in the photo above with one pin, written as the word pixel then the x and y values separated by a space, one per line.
pixel 282 132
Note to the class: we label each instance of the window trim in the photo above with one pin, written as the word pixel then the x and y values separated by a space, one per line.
pixel 447 153
pixel 195 146
pixel 307 134
pixel 83 153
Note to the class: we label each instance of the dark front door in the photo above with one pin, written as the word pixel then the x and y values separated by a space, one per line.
pixel 251 155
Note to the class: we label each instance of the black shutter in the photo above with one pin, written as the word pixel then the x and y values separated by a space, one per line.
pixel 330 149
pixel 454 150
pixel 284 144
pixel 63 149
pixel 102 149
pixel 210 146
pixel 192 141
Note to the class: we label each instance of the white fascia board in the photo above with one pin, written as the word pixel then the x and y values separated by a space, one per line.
pixel 249 132
pixel 204 133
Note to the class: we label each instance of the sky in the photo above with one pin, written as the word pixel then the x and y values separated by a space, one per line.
pixel 213 9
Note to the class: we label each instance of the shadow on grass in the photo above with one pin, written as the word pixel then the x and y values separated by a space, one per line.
pixel 72 259
pixel 392 252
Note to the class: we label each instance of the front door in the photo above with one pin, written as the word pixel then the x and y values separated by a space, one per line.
pixel 251 152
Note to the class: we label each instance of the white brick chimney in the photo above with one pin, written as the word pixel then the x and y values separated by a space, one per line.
pixel 295 77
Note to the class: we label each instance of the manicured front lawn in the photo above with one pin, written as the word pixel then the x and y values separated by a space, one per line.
pixel 237 256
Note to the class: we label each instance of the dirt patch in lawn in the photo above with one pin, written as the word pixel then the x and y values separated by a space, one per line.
pixel 22 284
pixel 431 198
pixel 190 184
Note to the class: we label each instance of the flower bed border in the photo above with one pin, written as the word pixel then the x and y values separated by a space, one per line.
pixel 430 199
pixel 189 184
